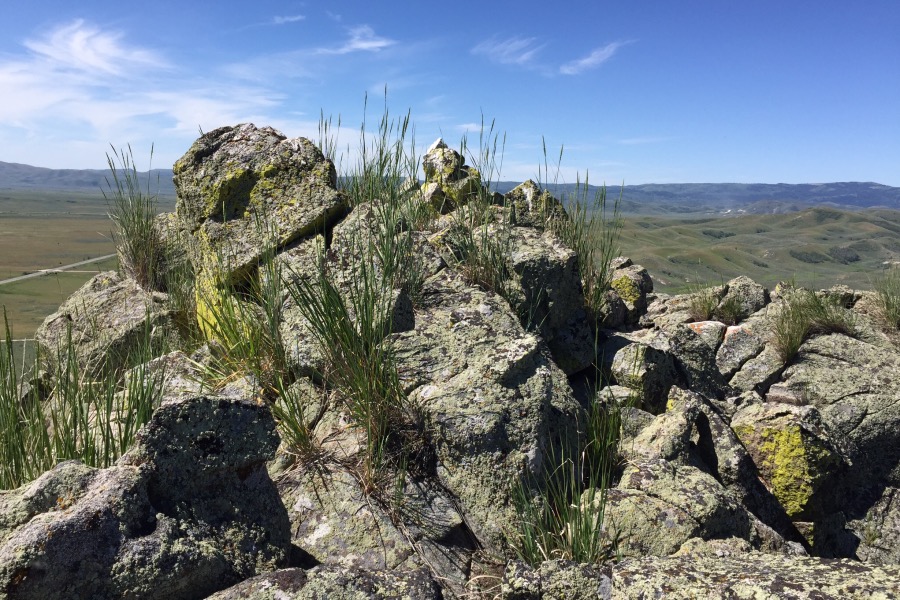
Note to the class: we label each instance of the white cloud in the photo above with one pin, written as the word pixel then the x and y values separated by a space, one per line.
pixel 592 60
pixel 640 141
pixel 75 89
pixel 362 39
pixel 512 51
pixel 288 19
pixel 82 47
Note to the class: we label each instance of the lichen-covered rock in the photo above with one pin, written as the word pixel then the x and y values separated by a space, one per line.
pixel 659 505
pixel 233 177
pixel 854 385
pixel 555 579
pixel 794 451
pixel 667 437
pixel 715 445
pixel 188 511
pixel 739 344
pixel 456 182
pixel 643 368
pixel 333 581
pixel 492 397
pixel 696 363
pixel 751 575
pixel 108 319
pixel 336 523
pixel 632 283
pixel 548 297
pixel 743 298
pixel 878 532
pixel 243 193
pixel 533 207
pixel 711 332
pixel 759 372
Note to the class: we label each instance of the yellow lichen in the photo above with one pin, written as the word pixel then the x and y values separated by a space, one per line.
pixel 792 462
pixel 627 289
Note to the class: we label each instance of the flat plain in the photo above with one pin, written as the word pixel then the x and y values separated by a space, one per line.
pixel 815 247
pixel 46 230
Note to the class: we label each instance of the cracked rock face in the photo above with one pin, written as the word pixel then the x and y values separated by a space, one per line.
pixel 107 317
pixel 187 512
pixel 494 399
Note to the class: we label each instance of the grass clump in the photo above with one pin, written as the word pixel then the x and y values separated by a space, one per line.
pixel 887 290
pixel 92 417
pixel 565 521
pixel 804 314
pixel 138 244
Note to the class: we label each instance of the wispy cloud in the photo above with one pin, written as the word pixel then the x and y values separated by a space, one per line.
pixel 592 60
pixel 287 19
pixel 73 90
pixel 511 51
pixel 361 39
pixel 640 141
pixel 83 47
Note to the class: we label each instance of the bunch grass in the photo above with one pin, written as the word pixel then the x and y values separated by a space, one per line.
pixel 804 314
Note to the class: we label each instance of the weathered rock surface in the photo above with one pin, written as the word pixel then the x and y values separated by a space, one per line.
pixel 793 449
pixel 190 510
pixel 107 318
pixel 853 384
pixel 490 393
pixel 330 581
pixel 709 574
pixel 533 207
pixel 243 189
pixel 336 523
pixel 547 288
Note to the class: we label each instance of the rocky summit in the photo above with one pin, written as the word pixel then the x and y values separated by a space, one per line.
pixel 394 391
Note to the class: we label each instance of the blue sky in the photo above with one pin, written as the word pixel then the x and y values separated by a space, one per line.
pixel 635 92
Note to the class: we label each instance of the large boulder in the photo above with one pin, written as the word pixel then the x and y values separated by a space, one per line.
pixel 494 400
pixel 108 321
pixel 244 193
pixel 188 511
pixel 794 451
pixel 853 384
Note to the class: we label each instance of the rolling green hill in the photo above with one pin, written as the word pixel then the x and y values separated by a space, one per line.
pixel 817 247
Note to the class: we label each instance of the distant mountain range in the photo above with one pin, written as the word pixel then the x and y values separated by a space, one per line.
pixel 666 199
pixel 15 176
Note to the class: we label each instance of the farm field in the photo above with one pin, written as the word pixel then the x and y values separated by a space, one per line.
pixel 816 247
pixel 46 230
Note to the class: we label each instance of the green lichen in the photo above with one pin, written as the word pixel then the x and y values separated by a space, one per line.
pixel 627 289
pixel 792 462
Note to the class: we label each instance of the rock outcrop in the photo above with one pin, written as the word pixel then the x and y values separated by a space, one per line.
pixel 732 469
pixel 188 511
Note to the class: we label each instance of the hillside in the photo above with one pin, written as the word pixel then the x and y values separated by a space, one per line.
pixel 646 199
pixel 15 176
pixel 812 246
